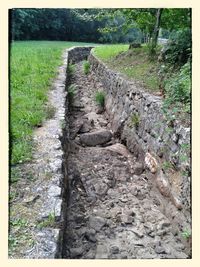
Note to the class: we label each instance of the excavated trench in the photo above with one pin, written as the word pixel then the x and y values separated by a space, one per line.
pixel 112 208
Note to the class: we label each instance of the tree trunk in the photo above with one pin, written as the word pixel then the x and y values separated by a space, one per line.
pixel 157 27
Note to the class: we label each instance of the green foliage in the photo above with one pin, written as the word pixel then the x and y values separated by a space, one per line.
pixel 86 67
pixel 178 87
pixel 178 50
pixel 49 222
pixel 14 174
pixel 18 226
pixel 135 120
pixel 71 93
pixel 186 234
pixel 71 69
pixel 166 165
pixel 100 98
pixel 52 24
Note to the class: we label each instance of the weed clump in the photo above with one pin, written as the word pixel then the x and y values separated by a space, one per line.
pixel 71 69
pixel 86 67
pixel 135 120
pixel 71 93
pixel 49 222
pixel 100 98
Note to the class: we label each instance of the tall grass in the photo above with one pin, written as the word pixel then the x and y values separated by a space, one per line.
pixel 33 66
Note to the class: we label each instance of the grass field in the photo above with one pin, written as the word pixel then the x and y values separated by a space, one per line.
pixel 33 66
pixel 133 63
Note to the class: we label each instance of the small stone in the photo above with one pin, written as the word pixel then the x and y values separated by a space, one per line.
pixel 101 252
pixel 96 222
pixel 90 235
pixel 100 109
pixel 126 219
pixel 101 188
pixel 137 232
pixel 75 252
pixel 161 232
pixel 138 168
pixel 164 224
pixel 114 249
pixel 160 250
pixel 134 191
pixel 163 184
pixel 176 201
pixel 84 128
pixel 123 200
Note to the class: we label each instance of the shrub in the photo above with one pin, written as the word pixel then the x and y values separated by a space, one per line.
pixel 178 87
pixel 86 67
pixel 100 98
pixel 178 50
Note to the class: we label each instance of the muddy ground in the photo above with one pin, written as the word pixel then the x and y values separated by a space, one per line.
pixel 114 209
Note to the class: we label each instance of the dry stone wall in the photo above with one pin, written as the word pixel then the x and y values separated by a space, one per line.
pixel 77 54
pixel 137 118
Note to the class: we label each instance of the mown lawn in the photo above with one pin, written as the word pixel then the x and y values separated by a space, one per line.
pixel 134 63
pixel 33 66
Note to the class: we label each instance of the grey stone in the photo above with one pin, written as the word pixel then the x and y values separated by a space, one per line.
pixel 96 138
pixel 101 252
pixel 138 232
pixel 114 249
pixel 84 128
pixel 163 184
pixel 101 188
pixel 160 250
pixel 127 219
pixel 161 232
pixel 75 252
pixel 164 224
pixel 91 235
pixel 96 222
pixel 138 168
pixel 54 191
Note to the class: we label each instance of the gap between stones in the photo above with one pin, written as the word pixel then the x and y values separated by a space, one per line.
pixel 111 207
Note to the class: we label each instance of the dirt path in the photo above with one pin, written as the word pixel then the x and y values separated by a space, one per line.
pixel 114 209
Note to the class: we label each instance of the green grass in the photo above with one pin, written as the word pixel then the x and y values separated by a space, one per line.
pixel 100 98
pixel 33 66
pixel 86 67
pixel 134 63
pixel 107 52
pixel 49 222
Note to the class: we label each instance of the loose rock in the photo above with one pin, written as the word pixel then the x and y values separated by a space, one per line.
pixel 96 138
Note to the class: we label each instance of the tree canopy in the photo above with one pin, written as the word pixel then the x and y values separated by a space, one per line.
pixel 96 25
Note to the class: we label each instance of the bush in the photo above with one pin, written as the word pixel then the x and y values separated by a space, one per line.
pixel 86 67
pixel 178 49
pixel 100 98
pixel 178 88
